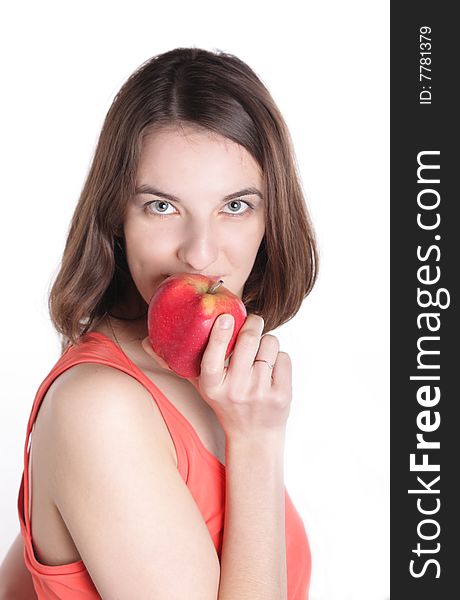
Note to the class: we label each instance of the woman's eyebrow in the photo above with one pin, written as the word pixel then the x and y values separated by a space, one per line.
pixel 148 189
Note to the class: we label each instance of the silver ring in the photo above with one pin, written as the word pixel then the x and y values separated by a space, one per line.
pixel 265 361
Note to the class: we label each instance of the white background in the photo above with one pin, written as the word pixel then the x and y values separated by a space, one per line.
pixel 327 67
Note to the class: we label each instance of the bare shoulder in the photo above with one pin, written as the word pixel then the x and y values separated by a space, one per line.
pixel 117 488
pixel 87 377
pixel 90 399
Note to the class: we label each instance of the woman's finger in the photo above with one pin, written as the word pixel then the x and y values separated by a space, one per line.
pixel 213 361
pixel 247 346
pixel 266 358
pixel 268 348
pixel 282 374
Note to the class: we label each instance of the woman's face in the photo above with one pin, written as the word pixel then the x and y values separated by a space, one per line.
pixel 198 208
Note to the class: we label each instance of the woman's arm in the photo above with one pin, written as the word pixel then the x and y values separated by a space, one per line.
pixel 15 579
pixel 251 398
pixel 253 560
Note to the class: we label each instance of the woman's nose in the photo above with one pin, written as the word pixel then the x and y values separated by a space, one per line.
pixel 199 248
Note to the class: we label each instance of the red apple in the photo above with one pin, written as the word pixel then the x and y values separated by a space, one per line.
pixel 180 317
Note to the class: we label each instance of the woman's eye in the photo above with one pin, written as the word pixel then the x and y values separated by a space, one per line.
pixel 235 205
pixel 158 207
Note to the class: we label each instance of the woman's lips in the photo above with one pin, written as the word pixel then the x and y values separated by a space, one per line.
pixel 214 277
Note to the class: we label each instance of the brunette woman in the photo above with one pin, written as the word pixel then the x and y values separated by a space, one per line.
pixel 144 484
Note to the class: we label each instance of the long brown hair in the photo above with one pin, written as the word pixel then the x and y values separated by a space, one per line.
pixel 212 90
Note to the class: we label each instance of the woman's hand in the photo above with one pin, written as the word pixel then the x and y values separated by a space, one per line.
pixel 248 396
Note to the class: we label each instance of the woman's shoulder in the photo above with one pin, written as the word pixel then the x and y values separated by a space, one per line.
pixel 88 385
pixel 90 401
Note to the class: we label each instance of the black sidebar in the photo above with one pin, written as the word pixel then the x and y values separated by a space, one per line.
pixel 425 271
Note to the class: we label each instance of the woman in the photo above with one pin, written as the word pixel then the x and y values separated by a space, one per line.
pixel 182 496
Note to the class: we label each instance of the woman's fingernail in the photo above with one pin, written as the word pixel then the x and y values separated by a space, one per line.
pixel 225 321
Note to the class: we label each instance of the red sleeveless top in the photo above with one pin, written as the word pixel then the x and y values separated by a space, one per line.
pixel 202 472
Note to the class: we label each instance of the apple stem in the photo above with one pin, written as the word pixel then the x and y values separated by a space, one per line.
pixel 215 286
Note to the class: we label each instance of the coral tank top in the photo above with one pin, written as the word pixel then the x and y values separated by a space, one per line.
pixel 202 472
